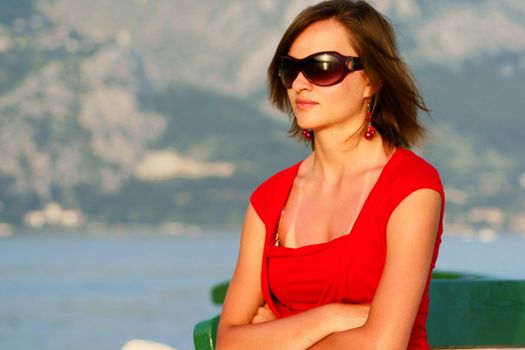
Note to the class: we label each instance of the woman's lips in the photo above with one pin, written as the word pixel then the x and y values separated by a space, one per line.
pixel 302 103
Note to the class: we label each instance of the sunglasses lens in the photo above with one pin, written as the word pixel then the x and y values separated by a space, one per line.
pixel 288 71
pixel 324 69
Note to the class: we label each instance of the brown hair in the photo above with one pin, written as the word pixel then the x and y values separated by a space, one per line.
pixel 397 99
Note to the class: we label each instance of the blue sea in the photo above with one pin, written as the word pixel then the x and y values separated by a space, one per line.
pixel 97 291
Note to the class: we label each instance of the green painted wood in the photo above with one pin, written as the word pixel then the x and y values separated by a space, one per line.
pixel 464 312
pixel 477 313
pixel 218 292
pixel 454 275
pixel 205 333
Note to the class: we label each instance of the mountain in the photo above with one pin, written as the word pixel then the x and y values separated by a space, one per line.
pixel 226 46
pixel 155 112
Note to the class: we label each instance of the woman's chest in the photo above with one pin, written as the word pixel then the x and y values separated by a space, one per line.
pixel 315 213
pixel 346 269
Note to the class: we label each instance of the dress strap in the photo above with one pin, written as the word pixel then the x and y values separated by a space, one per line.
pixel 277 241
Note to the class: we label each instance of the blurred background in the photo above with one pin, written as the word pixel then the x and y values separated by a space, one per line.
pixel 133 132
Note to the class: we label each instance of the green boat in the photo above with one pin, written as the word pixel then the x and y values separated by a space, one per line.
pixel 466 311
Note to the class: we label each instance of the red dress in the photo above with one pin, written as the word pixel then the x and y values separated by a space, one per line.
pixel 346 269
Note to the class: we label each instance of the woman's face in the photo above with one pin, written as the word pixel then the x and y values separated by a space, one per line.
pixel 339 107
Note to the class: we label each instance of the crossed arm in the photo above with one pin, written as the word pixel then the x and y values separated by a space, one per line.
pixel 386 324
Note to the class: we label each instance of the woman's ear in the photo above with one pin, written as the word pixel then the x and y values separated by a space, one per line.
pixel 368 91
pixel 371 88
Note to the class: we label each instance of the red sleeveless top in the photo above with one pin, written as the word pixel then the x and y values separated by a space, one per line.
pixel 346 269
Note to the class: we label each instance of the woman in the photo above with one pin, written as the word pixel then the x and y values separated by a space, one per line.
pixel 336 251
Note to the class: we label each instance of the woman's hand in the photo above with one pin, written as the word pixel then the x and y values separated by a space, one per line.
pixel 263 314
pixel 350 316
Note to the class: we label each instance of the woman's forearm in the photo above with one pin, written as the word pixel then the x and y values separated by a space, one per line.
pixel 356 338
pixel 300 331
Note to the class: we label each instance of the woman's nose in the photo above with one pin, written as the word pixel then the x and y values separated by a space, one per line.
pixel 301 83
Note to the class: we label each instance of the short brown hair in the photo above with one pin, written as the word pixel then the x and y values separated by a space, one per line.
pixel 397 98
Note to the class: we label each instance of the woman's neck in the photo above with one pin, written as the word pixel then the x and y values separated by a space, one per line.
pixel 334 159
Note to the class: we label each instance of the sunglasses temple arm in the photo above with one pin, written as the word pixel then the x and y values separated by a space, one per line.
pixel 355 64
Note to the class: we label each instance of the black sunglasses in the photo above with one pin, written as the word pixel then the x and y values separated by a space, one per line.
pixel 322 68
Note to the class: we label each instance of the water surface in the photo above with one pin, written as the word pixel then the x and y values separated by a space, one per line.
pixel 80 291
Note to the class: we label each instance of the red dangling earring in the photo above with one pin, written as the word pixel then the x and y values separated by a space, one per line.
pixel 370 130
pixel 308 134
